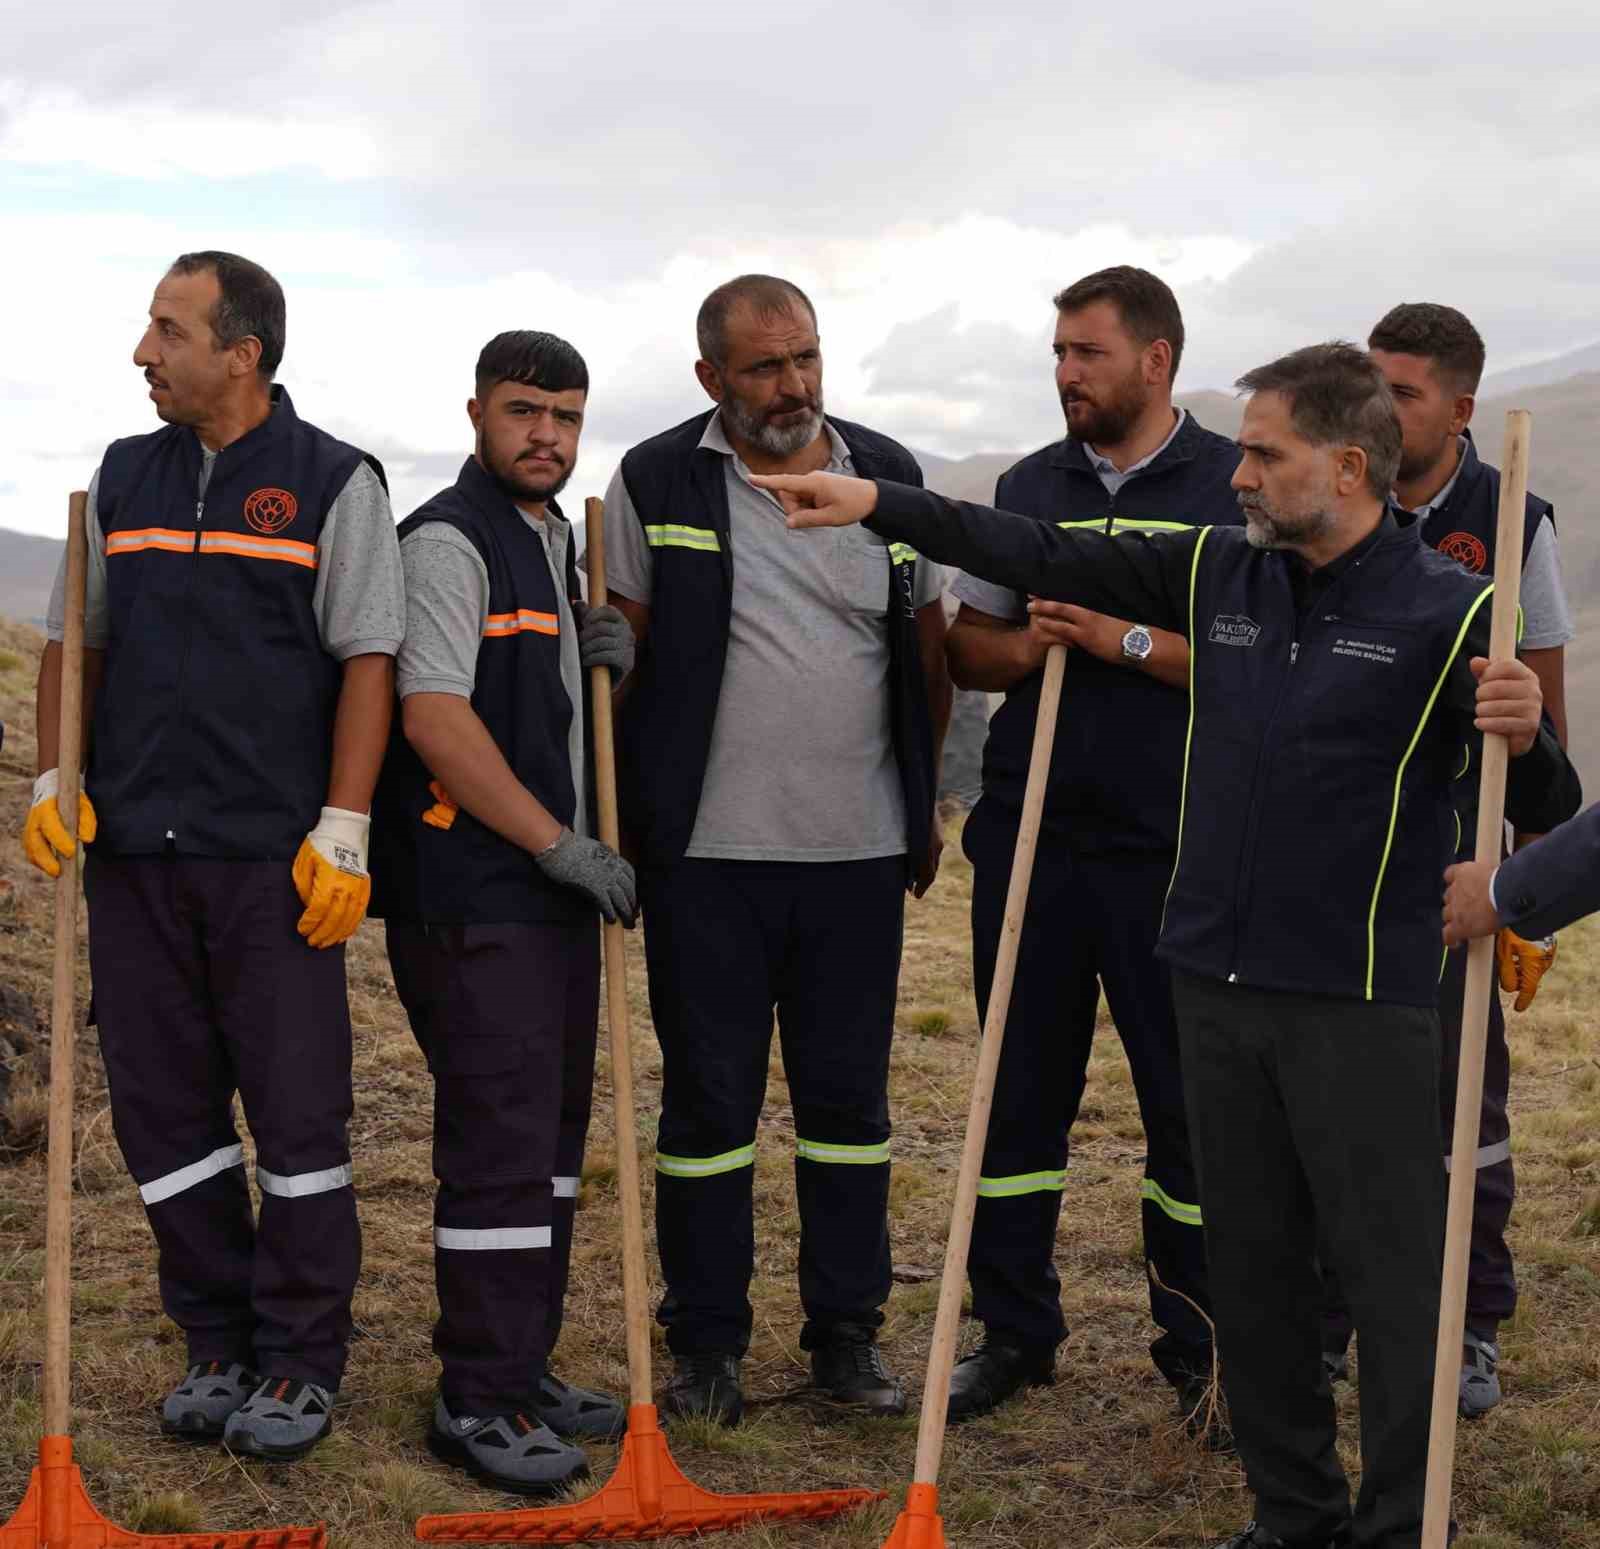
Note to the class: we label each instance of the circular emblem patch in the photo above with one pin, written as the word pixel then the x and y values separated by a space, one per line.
pixel 1465 549
pixel 270 510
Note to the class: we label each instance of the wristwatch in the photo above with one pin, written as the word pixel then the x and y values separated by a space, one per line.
pixel 1137 644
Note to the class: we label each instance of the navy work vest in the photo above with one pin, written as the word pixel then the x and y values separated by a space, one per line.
pixel 467 874
pixel 1117 765
pixel 679 491
pixel 213 729
pixel 1315 828
pixel 1463 529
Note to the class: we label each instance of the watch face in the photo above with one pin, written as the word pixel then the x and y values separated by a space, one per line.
pixel 1137 644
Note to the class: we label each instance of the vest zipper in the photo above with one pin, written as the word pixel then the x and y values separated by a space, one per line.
pixel 188 628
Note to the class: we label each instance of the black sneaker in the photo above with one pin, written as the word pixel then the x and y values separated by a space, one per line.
pixel 848 1366
pixel 1254 1537
pixel 706 1387
pixel 996 1370
pixel 1203 1412
pixel 511 1452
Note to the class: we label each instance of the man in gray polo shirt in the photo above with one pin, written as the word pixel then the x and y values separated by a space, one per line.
pixel 780 747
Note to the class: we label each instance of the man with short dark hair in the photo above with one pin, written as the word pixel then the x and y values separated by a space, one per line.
pixel 489 879
pixel 779 760
pixel 1336 666
pixel 1130 462
pixel 243 608
pixel 1432 358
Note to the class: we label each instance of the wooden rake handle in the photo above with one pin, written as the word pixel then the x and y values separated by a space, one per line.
pixel 63 1010
pixel 947 1322
pixel 1475 1006
pixel 635 1293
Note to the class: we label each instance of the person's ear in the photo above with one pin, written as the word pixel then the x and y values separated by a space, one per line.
pixel 711 379
pixel 244 357
pixel 1461 412
pixel 1351 474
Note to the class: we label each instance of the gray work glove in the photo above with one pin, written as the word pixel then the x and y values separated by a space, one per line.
pixel 594 869
pixel 605 639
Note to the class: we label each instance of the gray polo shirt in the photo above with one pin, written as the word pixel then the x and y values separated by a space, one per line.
pixel 447 607
pixel 1000 601
pixel 359 600
pixel 1546 616
pixel 801 765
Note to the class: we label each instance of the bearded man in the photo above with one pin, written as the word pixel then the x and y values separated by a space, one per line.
pixel 779 753
pixel 1130 462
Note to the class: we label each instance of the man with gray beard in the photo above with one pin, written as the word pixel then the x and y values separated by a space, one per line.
pixel 779 750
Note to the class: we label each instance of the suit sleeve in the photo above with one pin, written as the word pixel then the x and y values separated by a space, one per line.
pixel 1555 880
pixel 1542 786
pixel 1132 575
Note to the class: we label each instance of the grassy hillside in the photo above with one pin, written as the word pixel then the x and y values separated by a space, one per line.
pixel 1095 1462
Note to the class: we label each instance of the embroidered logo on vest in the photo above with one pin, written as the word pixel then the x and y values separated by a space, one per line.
pixel 1234 629
pixel 1465 549
pixel 270 510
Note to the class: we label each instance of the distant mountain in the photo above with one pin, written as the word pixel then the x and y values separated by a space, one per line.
pixel 1541 373
pixel 27 569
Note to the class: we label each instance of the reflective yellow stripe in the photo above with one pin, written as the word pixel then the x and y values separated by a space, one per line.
pixel 1184 1214
pixel 827 1151
pixel 1129 524
pixel 901 553
pixel 1400 774
pixel 673 535
pixel 1188 736
pixel 1022 1183
pixel 705 1166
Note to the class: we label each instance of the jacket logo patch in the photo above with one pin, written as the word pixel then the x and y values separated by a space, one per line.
pixel 1234 629
pixel 1465 549
pixel 270 510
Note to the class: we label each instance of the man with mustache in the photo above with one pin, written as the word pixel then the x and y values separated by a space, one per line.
pixel 1336 667
pixel 1130 462
pixel 488 876
pixel 780 748
pixel 243 610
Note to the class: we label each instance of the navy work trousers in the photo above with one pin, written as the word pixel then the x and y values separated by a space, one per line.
pixel 1313 1119
pixel 506 1016
pixel 1091 924
pixel 727 943
pixel 203 988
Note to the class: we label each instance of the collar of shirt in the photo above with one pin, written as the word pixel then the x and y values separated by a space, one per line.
pixel 1104 465
pixel 1308 584
pixel 1422 512
pixel 715 439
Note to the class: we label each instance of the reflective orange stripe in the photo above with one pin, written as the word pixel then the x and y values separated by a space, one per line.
pixel 249 546
pixel 516 623
pixel 136 538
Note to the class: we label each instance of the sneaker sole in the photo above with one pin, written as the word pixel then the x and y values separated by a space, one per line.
pixel 193 1428
pixel 249 1446
pixel 459 1455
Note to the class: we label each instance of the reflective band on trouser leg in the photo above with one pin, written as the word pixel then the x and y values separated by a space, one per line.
pixel 1181 1212
pixel 491 1239
pixel 706 1166
pixel 1022 1183
pixel 565 1188
pixel 164 1187
pixel 827 1151
pixel 1489 1156
pixel 300 1185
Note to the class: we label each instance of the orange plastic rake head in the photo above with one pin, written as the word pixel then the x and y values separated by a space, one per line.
pixel 57 1513
pixel 919 1526
pixel 648 1497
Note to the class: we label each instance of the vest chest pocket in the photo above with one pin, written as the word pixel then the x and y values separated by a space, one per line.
pixel 1376 643
pixel 861 575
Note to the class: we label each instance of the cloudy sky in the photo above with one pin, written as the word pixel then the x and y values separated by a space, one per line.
pixel 422 176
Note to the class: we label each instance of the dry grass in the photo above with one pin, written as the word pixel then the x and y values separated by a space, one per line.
pixel 1095 1462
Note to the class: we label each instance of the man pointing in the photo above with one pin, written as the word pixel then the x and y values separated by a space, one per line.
pixel 1336 668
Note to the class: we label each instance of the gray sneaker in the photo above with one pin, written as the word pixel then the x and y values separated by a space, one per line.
pixel 282 1420
pixel 570 1411
pixel 198 1408
pixel 511 1452
pixel 1480 1377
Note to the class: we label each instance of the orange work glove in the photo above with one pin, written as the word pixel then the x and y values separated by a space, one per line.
pixel 44 836
pixel 443 811
pixel 330 875
pixel 1523 964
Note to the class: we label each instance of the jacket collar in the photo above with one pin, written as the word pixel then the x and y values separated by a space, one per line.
pixel 1069 452
pixel 486 496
